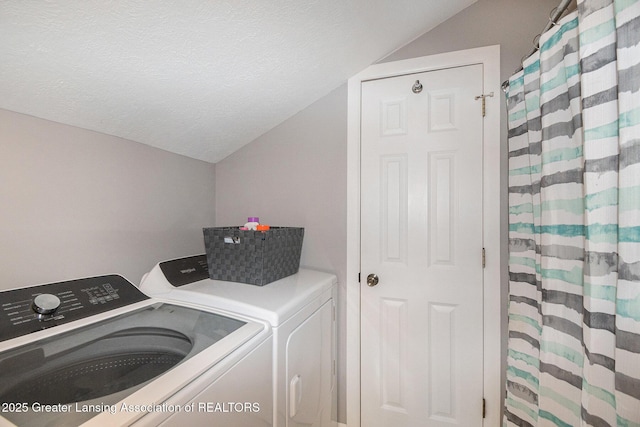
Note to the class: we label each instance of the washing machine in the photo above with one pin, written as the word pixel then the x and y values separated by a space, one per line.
pixel 97 351
pixel 301 311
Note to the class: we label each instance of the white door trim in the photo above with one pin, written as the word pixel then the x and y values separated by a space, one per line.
pixel 490 58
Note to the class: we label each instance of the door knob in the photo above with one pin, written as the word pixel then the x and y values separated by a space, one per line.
pixel 372 280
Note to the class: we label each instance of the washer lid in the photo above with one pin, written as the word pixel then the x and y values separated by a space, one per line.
pixel 137 358
pixel 275 302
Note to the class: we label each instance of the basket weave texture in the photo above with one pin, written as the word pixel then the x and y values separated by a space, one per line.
pixel 252 257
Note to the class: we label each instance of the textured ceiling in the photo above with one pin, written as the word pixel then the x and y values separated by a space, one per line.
pixel 194 77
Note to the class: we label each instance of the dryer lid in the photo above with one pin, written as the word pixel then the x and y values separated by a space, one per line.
pixel 275 302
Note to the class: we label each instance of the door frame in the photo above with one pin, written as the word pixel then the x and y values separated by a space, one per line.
pixel 489 57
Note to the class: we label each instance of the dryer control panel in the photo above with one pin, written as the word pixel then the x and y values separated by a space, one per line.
pixel 27 310
pixel 182 271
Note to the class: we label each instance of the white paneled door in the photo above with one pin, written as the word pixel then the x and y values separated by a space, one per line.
pixel 421 189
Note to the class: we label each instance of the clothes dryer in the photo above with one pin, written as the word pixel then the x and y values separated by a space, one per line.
pixel 301 311
pixel 97 351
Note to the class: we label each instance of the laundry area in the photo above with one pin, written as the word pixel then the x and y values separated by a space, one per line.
pixel 319 214
pixel 180 348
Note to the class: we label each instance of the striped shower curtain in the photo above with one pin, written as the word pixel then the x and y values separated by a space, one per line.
pixel 574 223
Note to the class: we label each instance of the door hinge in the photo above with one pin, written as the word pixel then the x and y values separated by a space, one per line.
pixel 484 408
pixel 484 258
pixel 484 103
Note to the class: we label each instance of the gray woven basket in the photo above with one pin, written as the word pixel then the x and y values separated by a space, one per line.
pixel 253 257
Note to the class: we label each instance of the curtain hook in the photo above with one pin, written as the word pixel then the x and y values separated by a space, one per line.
pixel 551 16
pixel 524 58
pixel 536 42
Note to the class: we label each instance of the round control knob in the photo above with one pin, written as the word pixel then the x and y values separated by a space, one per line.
pixel 45 304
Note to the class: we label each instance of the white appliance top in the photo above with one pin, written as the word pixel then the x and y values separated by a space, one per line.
pixel 107 320
pixel 275 302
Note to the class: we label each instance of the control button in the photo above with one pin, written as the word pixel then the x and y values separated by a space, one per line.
pixel 45 304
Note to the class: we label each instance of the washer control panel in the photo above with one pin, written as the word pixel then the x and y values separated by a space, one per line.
pixel 27 310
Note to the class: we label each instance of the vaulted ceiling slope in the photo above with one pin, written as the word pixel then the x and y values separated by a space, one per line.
pixel 199 78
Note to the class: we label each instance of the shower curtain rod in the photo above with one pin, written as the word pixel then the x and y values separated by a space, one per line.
pixel 553 17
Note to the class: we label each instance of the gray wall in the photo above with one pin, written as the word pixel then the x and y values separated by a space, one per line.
pixel 77 203
pixel 294 176
pixel 296 173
